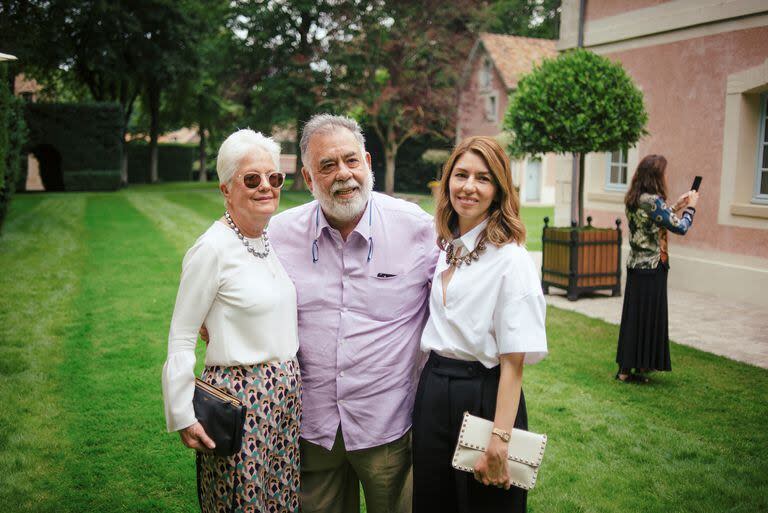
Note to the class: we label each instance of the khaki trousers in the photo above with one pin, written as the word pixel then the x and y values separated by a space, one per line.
pixel 330 480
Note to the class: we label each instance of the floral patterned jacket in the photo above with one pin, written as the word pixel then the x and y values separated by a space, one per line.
pixel 648 225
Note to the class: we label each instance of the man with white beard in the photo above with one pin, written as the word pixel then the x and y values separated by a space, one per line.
pixel 362 263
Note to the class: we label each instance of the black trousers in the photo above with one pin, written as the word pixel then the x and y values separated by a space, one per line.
pixel 447 389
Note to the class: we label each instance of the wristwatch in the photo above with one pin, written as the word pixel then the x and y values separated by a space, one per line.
pixel 504 435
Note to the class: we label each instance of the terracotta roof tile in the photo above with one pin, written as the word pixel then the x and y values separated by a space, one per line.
pixel 514 56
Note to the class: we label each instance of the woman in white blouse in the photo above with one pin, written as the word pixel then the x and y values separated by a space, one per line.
pixel 486 320
pixel 232 282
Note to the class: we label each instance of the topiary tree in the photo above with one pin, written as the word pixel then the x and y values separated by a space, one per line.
pixel 577 103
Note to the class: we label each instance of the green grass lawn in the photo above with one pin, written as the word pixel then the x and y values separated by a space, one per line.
pixel 89 281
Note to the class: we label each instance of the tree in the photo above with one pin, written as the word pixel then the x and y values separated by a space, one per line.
pixel 120 51
pixel 85 42
pixel 286 46
pixel 207 98
pixel 169 30
pixel 530 18
pixel 578 103
pixel 399 75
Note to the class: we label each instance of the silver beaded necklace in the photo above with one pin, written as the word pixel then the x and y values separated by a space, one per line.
pixel 248 247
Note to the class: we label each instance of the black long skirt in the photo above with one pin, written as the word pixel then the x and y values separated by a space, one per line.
pixel 447 389
pixel 644 332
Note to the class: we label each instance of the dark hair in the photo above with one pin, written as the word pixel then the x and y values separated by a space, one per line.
pixel 649 178
pixel 504 224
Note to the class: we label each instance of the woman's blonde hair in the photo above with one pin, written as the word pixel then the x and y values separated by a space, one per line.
pixel 504 225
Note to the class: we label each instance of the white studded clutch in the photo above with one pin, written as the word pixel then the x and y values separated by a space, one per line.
pixel 525 450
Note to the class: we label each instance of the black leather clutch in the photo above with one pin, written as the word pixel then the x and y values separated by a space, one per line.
pixel 221 415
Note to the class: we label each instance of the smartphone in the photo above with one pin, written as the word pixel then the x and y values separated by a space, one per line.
pixel 696 183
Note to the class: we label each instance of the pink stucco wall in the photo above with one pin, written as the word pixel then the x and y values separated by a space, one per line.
pixel 471 114
pixel 605 8
pixel 684 84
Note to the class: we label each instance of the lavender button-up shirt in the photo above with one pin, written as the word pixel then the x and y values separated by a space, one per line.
pixel 362 307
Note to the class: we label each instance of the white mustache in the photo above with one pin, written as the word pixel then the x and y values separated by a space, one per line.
pixel 349 184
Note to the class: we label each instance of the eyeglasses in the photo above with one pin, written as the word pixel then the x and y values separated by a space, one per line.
pixel 253 180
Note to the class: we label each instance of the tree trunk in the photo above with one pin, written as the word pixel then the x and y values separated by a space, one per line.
pixel 298 178
pixel 124 156
pixel 575 174
pixel 203 171
pixel 124 164
pixel 390 154
pixel 154 130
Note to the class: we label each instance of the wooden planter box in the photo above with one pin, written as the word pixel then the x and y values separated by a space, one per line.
pixel 581 260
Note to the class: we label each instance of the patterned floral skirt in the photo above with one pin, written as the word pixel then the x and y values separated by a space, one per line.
pixel 263 477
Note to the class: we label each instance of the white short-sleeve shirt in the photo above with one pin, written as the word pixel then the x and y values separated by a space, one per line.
pixel 493 306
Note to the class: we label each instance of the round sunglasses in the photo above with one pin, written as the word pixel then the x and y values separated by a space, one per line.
pixel 253 180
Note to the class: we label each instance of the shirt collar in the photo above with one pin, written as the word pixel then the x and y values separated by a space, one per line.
pixel 363 226
pixel 469 239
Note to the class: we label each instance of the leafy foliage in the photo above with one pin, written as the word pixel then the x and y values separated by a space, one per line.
pixel 12 137
pixel 579 102
pixel 86 136
pixel 119 51
pixel 174 162
pixel 284 66
pixel 210 97
pixel 399 75
pixel 529 18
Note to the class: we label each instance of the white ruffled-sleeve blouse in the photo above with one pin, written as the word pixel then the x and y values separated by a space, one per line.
pixel 248 305
pixel 493 306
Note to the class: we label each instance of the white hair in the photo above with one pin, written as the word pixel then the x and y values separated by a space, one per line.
pixel 238 145
pixel 324 123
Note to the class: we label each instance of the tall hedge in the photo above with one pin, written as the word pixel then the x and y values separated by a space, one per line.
pixel 174 162
pixel 87 136
pixel 12 139
pixel 413 173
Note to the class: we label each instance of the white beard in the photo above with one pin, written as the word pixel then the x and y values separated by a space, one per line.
pixel 345 210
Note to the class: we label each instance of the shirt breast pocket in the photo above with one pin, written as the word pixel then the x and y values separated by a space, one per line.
pixel 391 293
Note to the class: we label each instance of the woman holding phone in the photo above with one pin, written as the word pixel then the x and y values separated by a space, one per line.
pixel 486 321
pixel 644 337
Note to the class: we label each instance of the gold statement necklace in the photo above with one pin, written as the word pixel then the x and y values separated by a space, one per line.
pixel 472 256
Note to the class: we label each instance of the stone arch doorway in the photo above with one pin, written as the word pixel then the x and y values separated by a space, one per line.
pixel 44 171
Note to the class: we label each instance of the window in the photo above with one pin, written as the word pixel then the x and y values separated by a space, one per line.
pixel 491 107
pixel 761 179
pixel 486 74
pixel 616 174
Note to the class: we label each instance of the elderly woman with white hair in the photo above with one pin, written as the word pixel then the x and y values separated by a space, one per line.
pixel 232 282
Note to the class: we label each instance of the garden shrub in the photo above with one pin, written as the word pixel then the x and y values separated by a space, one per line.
pixel 87 136
pixel 413 172
pixel 92 180
pixel 174 162
pixel 12 138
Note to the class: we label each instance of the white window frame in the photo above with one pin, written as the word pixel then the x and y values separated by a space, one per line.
pixel 486 74
pixel 759 197
pixel 492 114
pixel 623 162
